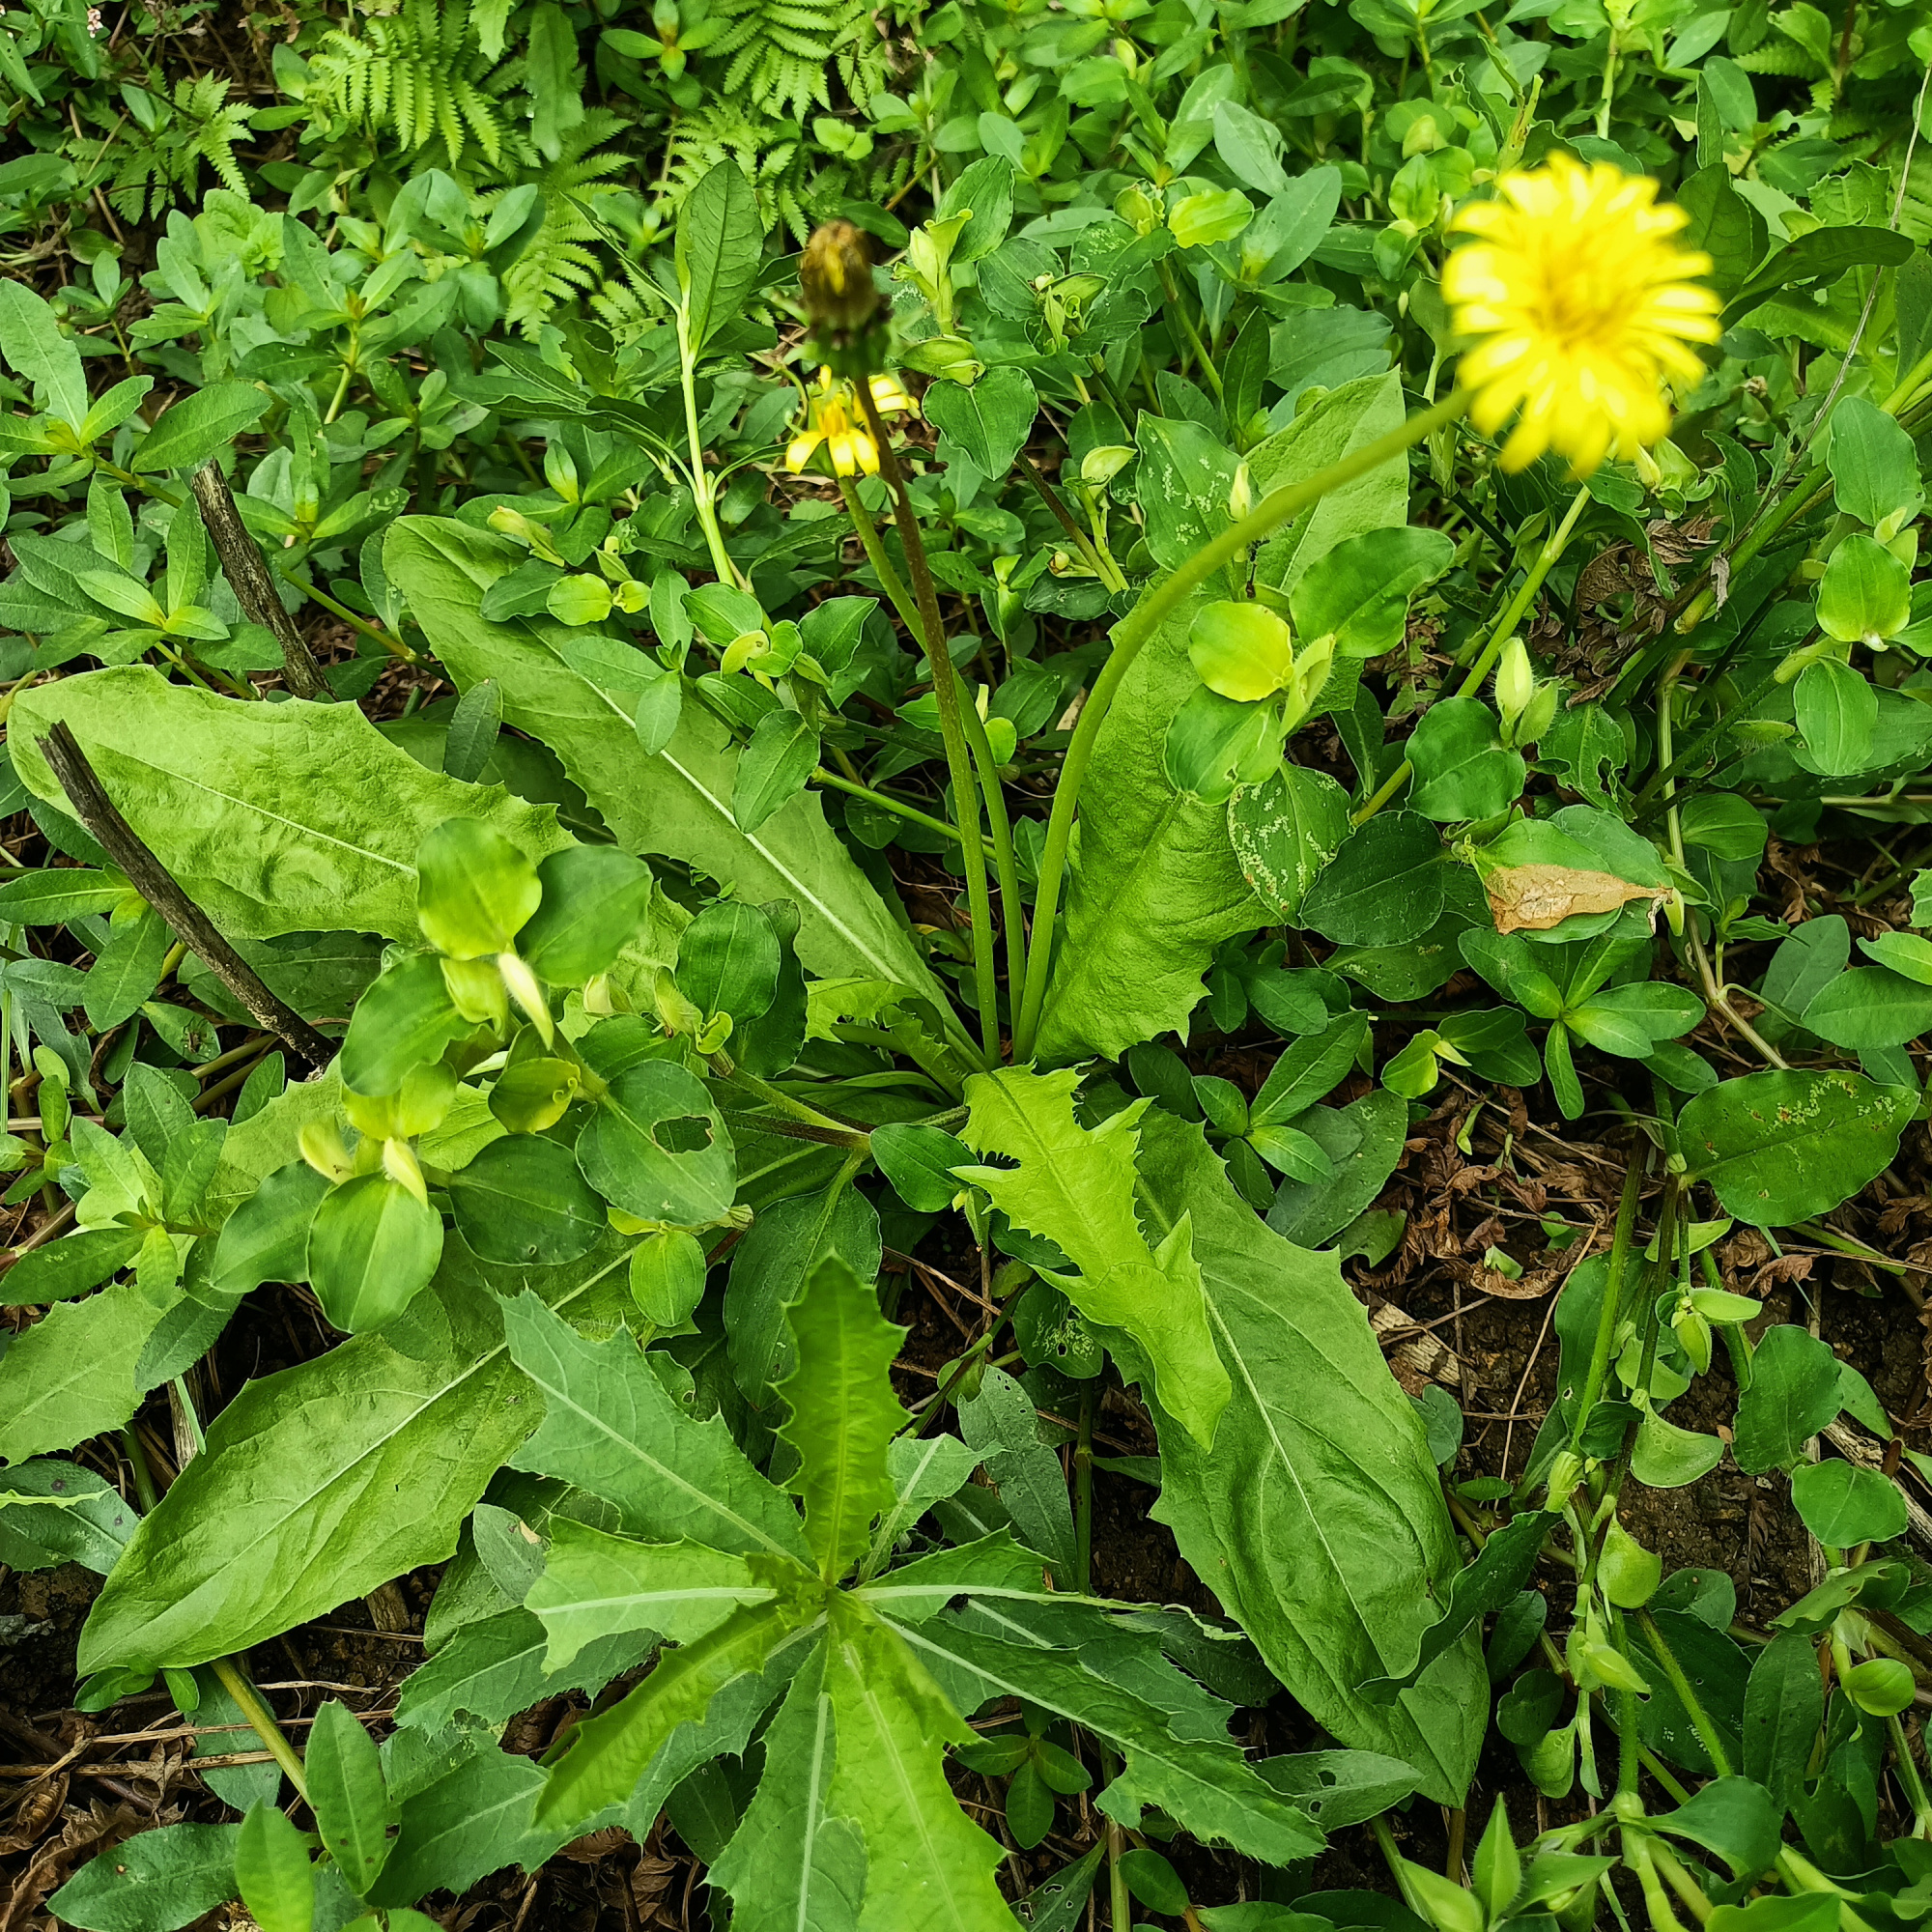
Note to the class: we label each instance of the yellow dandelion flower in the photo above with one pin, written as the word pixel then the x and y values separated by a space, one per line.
pixel 1581 307
pixel 834 422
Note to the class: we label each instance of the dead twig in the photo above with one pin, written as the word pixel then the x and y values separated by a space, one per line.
pixel 192 927
pixel 248 573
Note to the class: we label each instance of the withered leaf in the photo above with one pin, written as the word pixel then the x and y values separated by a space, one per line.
pixel 1533 898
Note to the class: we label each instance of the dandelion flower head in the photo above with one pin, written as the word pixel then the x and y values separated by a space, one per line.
pixel 834 422
pixel 1581 306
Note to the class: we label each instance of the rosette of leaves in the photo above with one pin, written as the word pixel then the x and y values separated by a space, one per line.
pixel 869 1668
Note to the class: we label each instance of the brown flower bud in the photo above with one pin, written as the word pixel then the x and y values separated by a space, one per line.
pixel 836 277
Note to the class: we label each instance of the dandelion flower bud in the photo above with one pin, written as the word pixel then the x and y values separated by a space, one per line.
pixel 836 277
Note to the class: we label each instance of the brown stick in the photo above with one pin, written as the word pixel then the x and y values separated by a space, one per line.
pixel 192 927
pixel 248 572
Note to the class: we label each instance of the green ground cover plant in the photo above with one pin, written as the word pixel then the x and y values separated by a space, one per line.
pixel 795 758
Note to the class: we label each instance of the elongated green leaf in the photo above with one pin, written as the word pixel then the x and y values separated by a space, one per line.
pixel 925 1863
pixel 69 1266
pixel 199 426
pixel 793 1866
pixel 68 892
pixel 1157 887
pixel 678 803
pixel 494 1667
pixel 350 1796
pixel 991 1566
pixel 1002 1428
pixel 273 1869
pixel 154 1881
pixel 923 1472
pixel 262 812
pixel 1496 1578
pixel 843 1412
pixel 720 240
pixel 610 1427
pixel 463 1812
pixel 64 1514
pixel 769 1268
pixel 32 342
pixel 609 1753
pixel 71 1375
pixel 594 1584
pixel 1206 1785
pixel 328 1479
pixel 1076 1188
pixel 1344 421
pixel 1316 1514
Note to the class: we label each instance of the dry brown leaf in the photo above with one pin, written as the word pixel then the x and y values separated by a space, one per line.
pixel 1534 1284
pixel 1533 898
pixel 34 1815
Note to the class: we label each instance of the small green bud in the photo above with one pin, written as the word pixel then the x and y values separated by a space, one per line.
pixel 1516 681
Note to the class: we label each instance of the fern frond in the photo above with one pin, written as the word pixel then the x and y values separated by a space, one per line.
pixel 1779 57
pixel 196 125
pixel 421 74
pixel 782 51
pixel 559 263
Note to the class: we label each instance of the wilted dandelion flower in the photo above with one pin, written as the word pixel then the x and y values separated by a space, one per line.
pixel 834 422
pixel 1581 306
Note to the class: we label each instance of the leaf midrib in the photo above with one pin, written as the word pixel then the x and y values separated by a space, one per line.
pixel 722 811
pixel 664 1472
pixel 377 1447
pixel 1221 1285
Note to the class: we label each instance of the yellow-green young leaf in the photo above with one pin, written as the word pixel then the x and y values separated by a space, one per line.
pixel 1216 214
pixel 926 1864
pixel 594 1584
pixel 1498 1869
pixel 579 599
pixel 476 891
pixel 1241 650
pixel 1866 594
pixel 667 1277
pixel 1449 1907
pixel 791 1863
pixel 1629 1573
pixel 371 1247
pixel 843 1412
pixel 609 1753
pixel 1075 1187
